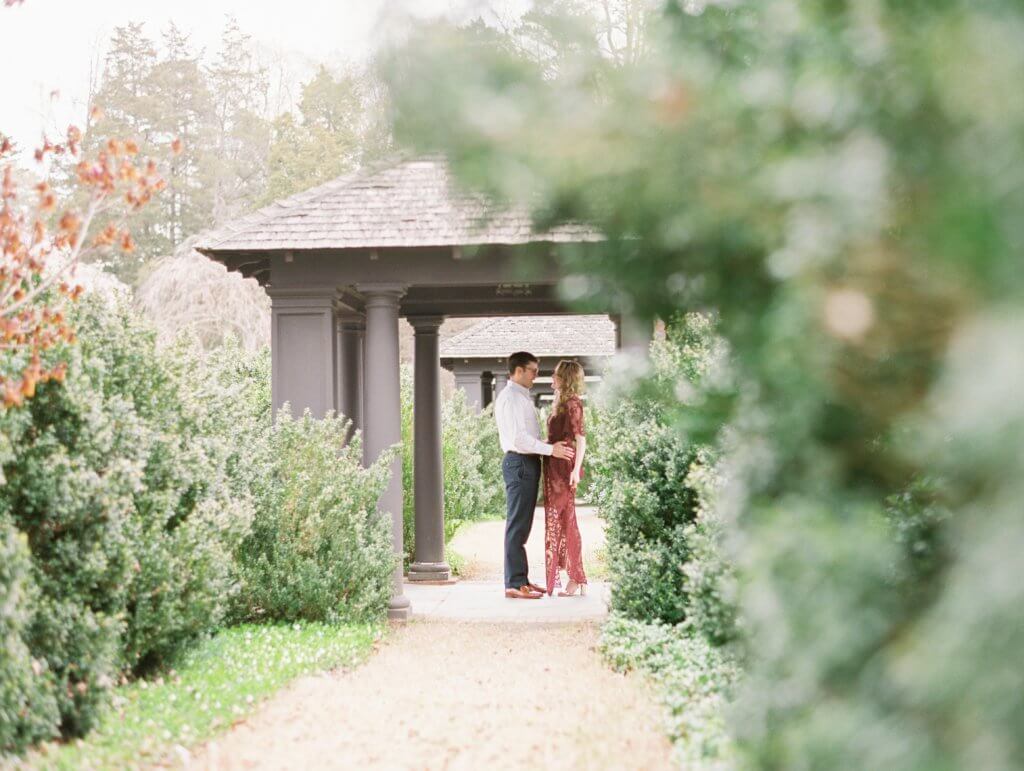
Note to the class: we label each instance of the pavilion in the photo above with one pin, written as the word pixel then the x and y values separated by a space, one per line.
pixel 342 262
pixel 478 356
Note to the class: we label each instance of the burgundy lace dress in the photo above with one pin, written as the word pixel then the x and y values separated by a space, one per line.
pixel 562 545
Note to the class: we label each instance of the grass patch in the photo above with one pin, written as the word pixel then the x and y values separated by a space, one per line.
pixel 455 561
pixel 596 563
pixel 217 682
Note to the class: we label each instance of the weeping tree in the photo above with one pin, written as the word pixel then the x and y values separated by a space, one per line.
pixel 842 183
pixel 191 294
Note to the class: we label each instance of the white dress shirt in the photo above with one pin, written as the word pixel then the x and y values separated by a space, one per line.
pixel 518 428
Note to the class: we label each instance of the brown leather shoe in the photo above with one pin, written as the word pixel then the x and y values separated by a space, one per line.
pixel 522 593
pixel 535 588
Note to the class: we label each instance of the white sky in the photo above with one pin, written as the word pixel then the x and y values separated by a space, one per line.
pixel 47 45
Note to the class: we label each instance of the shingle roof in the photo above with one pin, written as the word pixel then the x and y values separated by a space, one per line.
pixel 540 335
pixel 402 204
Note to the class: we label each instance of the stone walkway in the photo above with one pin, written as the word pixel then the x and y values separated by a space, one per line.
pixel 479 595
pixel 452 689
pixel 481 546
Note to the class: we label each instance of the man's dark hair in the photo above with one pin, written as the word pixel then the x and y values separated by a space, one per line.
pixel 520 359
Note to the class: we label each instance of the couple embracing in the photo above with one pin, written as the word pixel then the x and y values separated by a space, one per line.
pixel 562 459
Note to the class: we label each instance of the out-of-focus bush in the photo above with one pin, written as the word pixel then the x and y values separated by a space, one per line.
pixel 841 183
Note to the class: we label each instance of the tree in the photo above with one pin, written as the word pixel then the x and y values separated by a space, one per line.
pixel 339 127
pixel 124 105
pixel 177 85
pixel 37 262
pixel 240 85
pixel 554 32
pixel 834 181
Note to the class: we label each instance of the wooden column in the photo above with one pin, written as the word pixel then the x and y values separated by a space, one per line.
pixel 428 561
pixel 382 418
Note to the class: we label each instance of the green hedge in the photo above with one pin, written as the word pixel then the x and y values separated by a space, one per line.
pixel 148 496
pixel 318 550
pixel 694 680
pixel 124 501
pixel 28 705
pixel 648 480
pixel 674 614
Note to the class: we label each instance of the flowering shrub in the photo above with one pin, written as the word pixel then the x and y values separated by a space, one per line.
pixel 318 550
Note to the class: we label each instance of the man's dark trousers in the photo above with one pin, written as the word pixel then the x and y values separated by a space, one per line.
pixel 522 480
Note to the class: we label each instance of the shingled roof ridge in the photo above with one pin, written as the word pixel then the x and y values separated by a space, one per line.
pixel 211 239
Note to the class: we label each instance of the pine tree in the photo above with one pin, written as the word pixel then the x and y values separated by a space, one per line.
pixel 185 113
pixel 127 107
pixel 341 125
pixel 240 85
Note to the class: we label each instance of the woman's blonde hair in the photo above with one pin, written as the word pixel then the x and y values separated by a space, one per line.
pixel 570 374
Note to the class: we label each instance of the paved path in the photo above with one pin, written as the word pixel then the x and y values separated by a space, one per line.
pixel 479 595
pixel 485 601
pixel 480 545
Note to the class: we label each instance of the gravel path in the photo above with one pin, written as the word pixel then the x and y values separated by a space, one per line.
pixel 451 694
pixel 457 695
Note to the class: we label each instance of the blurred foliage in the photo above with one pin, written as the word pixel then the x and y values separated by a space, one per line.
pixel 841 182
pixel 694 681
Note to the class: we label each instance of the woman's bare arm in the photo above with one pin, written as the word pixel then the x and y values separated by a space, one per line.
pixel 581 450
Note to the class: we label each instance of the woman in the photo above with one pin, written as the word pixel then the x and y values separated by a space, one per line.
pixel 562 545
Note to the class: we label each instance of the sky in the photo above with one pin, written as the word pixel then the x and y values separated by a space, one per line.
pixel 47 46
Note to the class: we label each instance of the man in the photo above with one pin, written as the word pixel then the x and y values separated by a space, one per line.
pixel 519 432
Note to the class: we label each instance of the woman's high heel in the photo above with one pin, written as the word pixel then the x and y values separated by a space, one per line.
pixel 571 587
